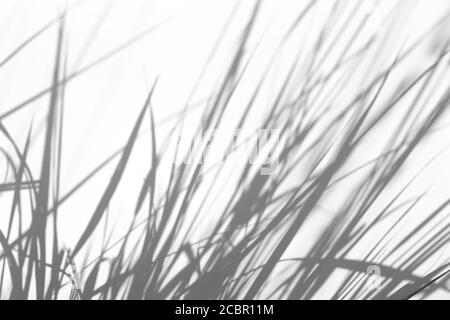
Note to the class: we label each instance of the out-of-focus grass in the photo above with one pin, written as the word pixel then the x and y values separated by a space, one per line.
pixel 244 252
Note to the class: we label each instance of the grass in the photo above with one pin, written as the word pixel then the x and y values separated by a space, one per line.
pixel 258 242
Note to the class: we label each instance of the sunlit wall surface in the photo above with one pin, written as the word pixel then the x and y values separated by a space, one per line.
pixel 221 149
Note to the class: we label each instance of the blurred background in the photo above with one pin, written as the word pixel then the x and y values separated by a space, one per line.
pixel 115 50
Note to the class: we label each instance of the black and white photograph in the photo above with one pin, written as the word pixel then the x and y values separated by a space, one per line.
pixel 225 155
